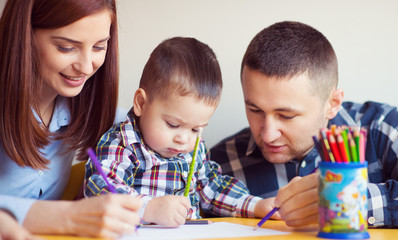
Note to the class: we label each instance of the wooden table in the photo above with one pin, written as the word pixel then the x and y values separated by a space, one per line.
pixel 308 232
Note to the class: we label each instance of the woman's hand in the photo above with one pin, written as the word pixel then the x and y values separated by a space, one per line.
pixel 10 228
pixel 106 216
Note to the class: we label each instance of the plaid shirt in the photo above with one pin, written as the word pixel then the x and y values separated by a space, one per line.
pixel 134 168
pixel 240 157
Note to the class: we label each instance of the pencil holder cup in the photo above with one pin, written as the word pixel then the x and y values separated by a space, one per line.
pixel 343 207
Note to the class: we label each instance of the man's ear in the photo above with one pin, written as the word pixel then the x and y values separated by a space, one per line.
pixel 140 100
pixel 334 103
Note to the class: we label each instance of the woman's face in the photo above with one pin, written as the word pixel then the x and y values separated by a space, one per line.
pixel 72 54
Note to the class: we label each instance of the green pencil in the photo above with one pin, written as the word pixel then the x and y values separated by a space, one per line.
pixel 192 165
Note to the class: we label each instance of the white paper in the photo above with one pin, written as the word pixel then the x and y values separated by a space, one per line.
pixel 203 231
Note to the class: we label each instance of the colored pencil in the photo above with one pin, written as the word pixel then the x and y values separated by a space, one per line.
pixel 97 165
pixel 326 145
pixel 361 147
pixel 353 150
pixel 342 148
pixel 335 149
pixel 192 165
pixel 259 224
pixel 345 140
pixel 198 222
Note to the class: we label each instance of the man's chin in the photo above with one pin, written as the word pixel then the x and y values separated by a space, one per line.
pixel 277 158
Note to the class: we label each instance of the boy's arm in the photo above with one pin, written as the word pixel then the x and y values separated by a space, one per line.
pixel 117 166
pixel 221 194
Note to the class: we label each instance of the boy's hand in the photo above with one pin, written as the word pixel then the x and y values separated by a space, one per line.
pixel 264 206
pixel 298 201
pixel 169 211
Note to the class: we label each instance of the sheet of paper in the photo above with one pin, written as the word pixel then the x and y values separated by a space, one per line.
pixel 214 230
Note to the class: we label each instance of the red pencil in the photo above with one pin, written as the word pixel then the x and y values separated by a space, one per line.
pixel 343 150
pixel 333 146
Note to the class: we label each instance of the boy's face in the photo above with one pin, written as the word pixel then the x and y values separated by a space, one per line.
pixel 283 114
pixel 170 126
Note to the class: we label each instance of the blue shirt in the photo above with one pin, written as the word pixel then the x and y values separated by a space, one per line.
pixel 21 186
pixel 240 157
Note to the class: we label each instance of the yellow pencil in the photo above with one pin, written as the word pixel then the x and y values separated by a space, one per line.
pixel 192 165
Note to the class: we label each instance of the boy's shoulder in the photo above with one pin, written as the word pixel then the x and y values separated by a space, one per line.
pixel 121 133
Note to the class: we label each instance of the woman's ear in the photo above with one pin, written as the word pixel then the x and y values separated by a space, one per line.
pixel 334 103
pixel 140 100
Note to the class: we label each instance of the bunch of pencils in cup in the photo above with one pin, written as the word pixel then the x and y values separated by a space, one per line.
pixel 342 144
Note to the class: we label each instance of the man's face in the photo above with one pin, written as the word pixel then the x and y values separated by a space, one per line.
pixel 283 114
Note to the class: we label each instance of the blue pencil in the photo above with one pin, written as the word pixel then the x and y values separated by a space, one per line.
pixel 259 224
pixel 97 165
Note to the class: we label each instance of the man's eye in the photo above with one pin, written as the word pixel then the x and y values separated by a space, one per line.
pixel 287 117
pixel 254 110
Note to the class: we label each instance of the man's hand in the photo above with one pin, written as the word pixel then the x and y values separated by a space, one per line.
pixel 264 206
pixel 298 201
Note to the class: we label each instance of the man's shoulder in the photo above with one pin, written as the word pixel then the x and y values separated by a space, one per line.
pixel 241 137
pixel 369 111
pixel 368 106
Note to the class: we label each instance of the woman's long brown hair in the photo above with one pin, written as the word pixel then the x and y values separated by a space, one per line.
pixel 92 111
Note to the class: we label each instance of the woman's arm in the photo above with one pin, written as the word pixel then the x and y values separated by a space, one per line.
pixel 10 229
pixel 107 216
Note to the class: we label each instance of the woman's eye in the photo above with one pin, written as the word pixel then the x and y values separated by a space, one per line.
pixel 98 48
pixel 65 49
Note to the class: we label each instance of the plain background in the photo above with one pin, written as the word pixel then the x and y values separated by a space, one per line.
pixel 364 34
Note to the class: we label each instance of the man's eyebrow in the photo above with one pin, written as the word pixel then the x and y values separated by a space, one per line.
pixel 280 109
pixel 77 42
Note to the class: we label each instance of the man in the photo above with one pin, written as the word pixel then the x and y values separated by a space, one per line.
pixel 289 80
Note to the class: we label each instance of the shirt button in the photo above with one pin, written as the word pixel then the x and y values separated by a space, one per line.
pixel 40 173
pixel 185 174
pixel 303 164
pixel 371 220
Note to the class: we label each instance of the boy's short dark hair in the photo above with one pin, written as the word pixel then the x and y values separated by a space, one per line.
pixel 182 66
pixel 288 49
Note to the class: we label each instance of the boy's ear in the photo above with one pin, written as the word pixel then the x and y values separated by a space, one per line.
pixel 334 103
pixel 140 99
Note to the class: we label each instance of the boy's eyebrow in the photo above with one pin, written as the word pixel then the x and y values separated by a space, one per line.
pixel 77 42
pixel 183 122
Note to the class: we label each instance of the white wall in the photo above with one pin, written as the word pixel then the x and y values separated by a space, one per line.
pixel 364 34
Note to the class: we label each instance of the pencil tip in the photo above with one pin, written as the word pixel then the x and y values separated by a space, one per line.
pixel 255 228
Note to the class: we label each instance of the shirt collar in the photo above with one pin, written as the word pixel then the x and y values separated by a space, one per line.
pixel 135 137
pixel 60 117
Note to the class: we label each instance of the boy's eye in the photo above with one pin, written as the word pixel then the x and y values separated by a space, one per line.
pixel 172 125
pixel 195 130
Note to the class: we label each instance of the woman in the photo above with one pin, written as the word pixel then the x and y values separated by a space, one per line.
pixel 58 95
